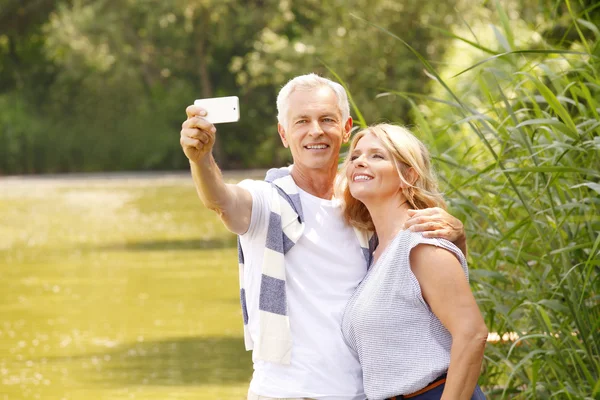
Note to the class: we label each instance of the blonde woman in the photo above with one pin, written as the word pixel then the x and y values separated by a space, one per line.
pixel 413 321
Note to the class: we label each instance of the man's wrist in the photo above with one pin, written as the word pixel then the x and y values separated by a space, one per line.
pixel 205 161
pixel 461 243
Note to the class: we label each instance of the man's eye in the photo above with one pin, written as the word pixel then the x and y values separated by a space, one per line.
pixel 300 121
pixel 328 119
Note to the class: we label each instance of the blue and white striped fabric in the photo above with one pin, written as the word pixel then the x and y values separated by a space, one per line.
pixel 286 226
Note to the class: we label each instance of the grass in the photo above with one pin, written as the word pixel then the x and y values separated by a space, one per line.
pixel 117 288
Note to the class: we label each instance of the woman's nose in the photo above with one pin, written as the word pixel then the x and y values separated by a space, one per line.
pixel 360 161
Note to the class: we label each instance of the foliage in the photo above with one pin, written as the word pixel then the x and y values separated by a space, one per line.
pixel 511 110
pixel 518 138
pixel 103 85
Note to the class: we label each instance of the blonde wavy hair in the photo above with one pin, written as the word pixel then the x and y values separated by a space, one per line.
pixel 408 152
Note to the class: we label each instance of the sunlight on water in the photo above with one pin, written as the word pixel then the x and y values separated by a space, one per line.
pixel 117 289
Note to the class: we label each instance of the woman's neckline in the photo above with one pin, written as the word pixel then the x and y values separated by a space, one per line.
pixel 387 248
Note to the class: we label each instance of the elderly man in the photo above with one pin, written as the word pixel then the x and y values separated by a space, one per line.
pixel 299 262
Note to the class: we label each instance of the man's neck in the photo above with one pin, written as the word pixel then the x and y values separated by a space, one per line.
pixel 319 183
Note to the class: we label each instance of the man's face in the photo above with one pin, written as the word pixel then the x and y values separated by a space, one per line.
pixel 315 130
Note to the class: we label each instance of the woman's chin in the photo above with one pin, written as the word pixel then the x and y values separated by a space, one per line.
pixel 361 194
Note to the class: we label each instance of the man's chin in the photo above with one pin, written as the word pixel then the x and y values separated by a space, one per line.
pixel 322 165
pixel 318 162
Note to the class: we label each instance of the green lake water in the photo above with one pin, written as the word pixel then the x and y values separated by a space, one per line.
pixel 117 287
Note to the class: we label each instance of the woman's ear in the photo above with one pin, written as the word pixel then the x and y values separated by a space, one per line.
pixel 410 177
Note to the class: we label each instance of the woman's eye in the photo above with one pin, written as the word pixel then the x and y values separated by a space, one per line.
pixel 352 158
pixel 378 156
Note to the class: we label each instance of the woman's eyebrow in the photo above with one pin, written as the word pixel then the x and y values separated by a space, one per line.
pixel 373 150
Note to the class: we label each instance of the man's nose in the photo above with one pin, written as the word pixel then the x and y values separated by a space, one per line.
pixel 315 128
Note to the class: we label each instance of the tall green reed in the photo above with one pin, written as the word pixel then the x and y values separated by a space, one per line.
pixel 517 144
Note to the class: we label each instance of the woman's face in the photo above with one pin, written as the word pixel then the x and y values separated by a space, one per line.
pixel 372 172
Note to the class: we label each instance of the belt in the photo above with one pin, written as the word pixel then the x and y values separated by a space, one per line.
pixel 427 388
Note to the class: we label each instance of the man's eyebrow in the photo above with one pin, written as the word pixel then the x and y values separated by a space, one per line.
pixel 299 116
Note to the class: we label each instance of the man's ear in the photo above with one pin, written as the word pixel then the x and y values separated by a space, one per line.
pixel 282 135
pixel 347 130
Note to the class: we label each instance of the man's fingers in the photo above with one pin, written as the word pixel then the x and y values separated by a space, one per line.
pixel 190 142
pixel 203 124
pixel 445 233
pixel 425 226
pixel 440 233
pixel 423 216
pixel 193 111
pixel 430 211
pixel 424 212
pixel 204 137
pixel 198 123
pixel 435 222
pixel 415 220
pixel 415 227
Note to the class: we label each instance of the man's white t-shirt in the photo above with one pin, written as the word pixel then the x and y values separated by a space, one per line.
pixel 322 271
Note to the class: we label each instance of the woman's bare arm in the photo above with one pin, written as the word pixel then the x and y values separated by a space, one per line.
pixel 446 290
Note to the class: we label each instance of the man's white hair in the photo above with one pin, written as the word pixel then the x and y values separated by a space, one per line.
pixel 309 82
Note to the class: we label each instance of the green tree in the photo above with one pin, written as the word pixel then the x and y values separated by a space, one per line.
pixel 116 75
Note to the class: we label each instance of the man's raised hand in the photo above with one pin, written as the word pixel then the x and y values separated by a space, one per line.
pixel 197 135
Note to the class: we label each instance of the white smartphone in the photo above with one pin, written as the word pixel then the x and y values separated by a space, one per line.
pixel 220 109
